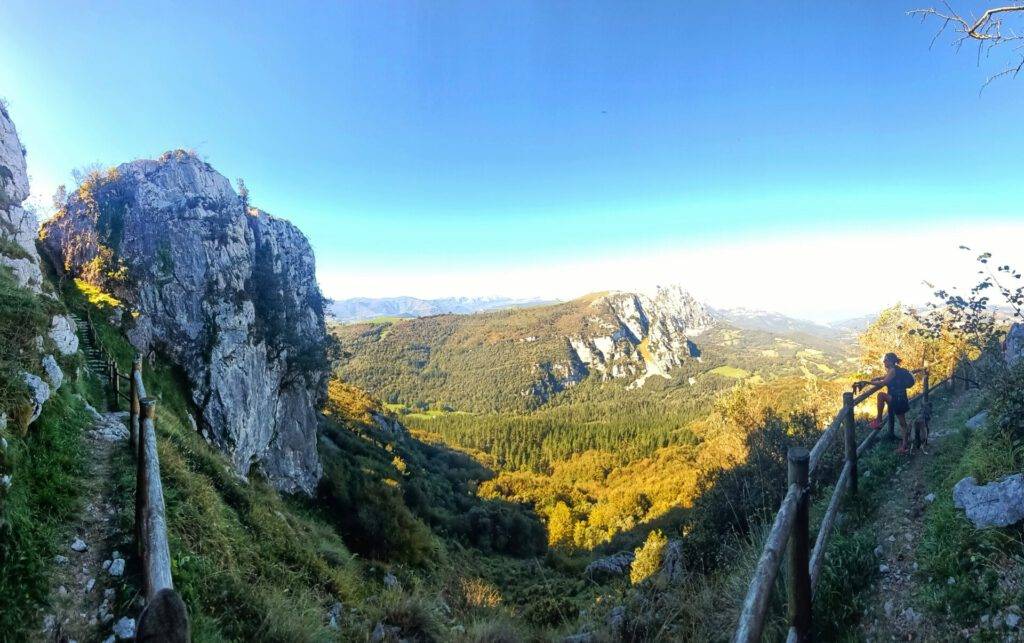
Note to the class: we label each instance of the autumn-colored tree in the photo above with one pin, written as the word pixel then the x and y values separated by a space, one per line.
pixel 560 526
pixel 648 557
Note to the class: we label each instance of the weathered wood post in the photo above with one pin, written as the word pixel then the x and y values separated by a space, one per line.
pixel 799 579
pixel 850 433
pixel 116 382
pixel 147 406
pixel 133 395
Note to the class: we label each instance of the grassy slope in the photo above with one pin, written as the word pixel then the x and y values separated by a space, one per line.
pixel 44 498
pixel 985 565
pixel 253 566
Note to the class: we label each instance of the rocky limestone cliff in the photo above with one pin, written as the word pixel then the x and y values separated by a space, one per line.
pixel 631 336
pixel 227 293
pixel 18 227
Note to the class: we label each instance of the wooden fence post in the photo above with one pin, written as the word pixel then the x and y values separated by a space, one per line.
pixel 799 579
pixel 148 412
pixel 133 395
pixel 850 432
pixel 116 382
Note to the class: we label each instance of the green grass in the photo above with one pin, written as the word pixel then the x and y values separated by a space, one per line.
pixel 23 317
pixel 850 571
pixel 249 564
pixel 47 466
pixel 730 371
pixel 951 548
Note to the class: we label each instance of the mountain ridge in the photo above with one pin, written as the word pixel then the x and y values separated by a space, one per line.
pixel 358 309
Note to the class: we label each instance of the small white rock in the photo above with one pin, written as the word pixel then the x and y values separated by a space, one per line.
pixel 60 560
pixel 1012 620
pixel 930 498
pixel 117 567
pixel 109 593
pixel 883 569
pixel 125 628
pixel 79 545
pixel 106 565
pixel 951 581
pixel 90 584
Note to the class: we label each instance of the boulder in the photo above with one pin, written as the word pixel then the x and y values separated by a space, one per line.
pixel 977 421
pixel 62 332
pixel 39 393
pixel 996 504
pixel 228 294
pixel 610 566
pixel 53 373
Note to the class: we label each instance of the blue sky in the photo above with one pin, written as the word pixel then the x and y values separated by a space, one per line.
pixel 432 148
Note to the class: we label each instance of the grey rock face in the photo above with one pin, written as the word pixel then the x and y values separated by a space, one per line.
pixel 39 393
pixel 16 224
pixel 1013 348
pixel 638 335
pixel 53 372
pixel 996 504
pixel 610 566
pixel 62 332
pixel 227 294
pixel 673 569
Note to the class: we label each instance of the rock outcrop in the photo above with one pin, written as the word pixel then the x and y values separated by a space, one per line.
pixel 1013 346
pixel 608 567
pixel 638 335
pixel 17 225
pixel 18 255
pixel 228 293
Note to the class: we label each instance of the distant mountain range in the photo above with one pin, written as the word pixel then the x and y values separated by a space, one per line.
pixel 367 308
pixel 520 357
pixel 772 322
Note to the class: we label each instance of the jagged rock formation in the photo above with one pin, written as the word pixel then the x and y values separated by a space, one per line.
pixel 227 293
pixel 635 336
pixel 18 228
pixel 17 225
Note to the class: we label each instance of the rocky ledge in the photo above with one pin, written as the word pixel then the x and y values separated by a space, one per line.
pixel 226 292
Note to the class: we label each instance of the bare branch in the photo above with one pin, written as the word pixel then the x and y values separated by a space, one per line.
pixel 987 30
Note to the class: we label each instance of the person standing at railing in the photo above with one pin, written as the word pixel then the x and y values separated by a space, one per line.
pixel 896 381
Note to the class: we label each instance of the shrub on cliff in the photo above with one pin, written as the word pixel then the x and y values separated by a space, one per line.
pixel 23 318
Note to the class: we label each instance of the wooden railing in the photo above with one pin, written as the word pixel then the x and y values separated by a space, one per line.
pixel 790 530
pixel 165 617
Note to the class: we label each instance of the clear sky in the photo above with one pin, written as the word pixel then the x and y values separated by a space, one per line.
pixel 742 149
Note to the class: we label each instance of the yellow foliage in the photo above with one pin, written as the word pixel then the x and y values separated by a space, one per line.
pixel 560 526
pixel 349 403
pixel 648 557
pixel 96 295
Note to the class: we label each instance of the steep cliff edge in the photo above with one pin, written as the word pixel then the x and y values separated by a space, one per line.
pixel 35 335
pixel 229 294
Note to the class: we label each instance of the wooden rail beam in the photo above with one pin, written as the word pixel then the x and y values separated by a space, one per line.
pixel 798 580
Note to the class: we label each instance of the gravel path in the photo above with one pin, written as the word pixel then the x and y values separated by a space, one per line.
pixel 87 588
pixel 894 615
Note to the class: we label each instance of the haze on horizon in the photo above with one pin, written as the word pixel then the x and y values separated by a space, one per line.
pixel 538 150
